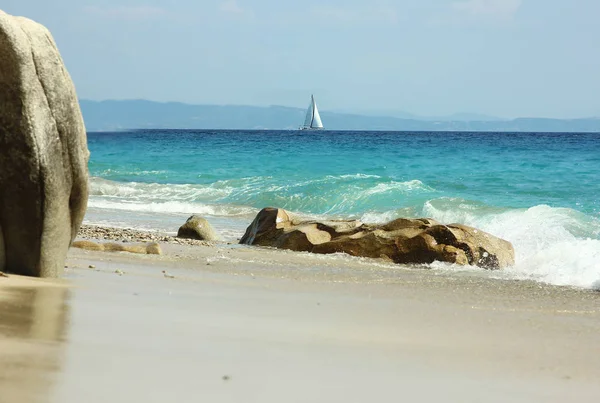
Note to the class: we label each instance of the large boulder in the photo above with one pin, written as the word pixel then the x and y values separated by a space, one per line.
pixel 421 240
pixel 197 227
pixel 43 152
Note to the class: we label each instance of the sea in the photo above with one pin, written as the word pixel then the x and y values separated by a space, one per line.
pixel 540 191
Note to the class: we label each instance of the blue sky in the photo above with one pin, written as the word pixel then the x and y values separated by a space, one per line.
pixel 505 58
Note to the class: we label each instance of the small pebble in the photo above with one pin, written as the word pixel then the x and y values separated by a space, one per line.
pixel 91 266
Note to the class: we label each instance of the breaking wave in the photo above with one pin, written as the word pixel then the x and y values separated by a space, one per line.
pixel 554 245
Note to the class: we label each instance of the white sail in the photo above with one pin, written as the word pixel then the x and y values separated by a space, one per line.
pixel 313 119
pixel 309 113
pixel 316 121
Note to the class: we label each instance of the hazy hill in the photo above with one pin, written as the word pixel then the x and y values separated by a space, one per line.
pixel 405 115
pixel 140 114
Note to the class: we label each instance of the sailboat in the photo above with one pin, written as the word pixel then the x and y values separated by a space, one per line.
pixel 313 119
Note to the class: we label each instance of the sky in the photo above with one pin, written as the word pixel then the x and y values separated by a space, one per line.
pixel 507 58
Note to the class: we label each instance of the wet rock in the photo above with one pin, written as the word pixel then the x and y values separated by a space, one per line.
pixel 403 240
pixel 153 249
pixel 150 249
pixel 197 227
pixel 88 245
pixel 265 227
pixel 456 243
pixel 43 152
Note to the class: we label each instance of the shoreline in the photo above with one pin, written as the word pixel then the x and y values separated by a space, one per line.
pixel 195 257
pixel 233 322
pixel 101 233
pixel 106 233
pixel 246 260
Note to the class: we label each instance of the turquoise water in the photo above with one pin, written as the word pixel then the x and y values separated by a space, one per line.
pixel 539 191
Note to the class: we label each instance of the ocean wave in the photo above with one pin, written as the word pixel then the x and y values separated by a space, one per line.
pixel 155 191
pixel 572 262
pixel 554 222
pixel 356 176
pixel 393 186
pixel 175 207
pixel 555 245
pixel 558 246
pixel 377 217
pixel 337 195
pixel 117 172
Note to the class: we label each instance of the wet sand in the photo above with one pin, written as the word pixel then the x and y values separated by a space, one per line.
pixel 247 324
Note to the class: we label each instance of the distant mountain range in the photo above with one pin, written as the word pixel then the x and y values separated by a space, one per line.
pixel 141 114
pixel 405 115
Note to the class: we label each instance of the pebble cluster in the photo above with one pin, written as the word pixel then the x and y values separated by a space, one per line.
pixel 131 235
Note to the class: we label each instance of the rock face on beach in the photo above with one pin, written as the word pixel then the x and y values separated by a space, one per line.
pixel 197 227
pixel 416 241
pixel 43 152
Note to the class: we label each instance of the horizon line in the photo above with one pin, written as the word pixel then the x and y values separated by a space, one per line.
pixel 383 115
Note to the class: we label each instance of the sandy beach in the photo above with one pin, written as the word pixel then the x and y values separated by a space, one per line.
pixel 455 148
pixel 230 323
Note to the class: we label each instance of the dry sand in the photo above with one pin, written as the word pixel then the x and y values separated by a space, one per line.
pixel 242 324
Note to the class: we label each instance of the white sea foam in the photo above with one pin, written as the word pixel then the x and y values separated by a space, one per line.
pixel 553 245
pixel 153 191
pixel 328 179
pixel 398 187
pixel 375 217
pixel 356 176
pixel 174 207
pixel 108 172
pixel 334 195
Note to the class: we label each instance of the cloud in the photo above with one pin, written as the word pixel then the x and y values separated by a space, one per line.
pixel 355 15
pixel 231 7
pixel 503 9
pixel 131 13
